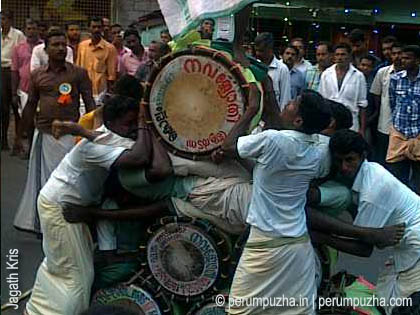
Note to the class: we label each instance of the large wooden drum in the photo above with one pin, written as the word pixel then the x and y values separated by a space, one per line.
pixel 188 259
pixel 193 99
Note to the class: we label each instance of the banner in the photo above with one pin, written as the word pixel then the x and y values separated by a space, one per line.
pixel 184 15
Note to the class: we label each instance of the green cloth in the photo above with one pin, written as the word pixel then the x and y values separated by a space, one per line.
pixel 335 198
pixel 136 183
pixel 361 292
pixel 278 242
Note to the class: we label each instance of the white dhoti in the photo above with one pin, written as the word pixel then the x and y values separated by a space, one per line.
pixel 23 97
pixel 46 153
pixel 279 269
pixel 65 277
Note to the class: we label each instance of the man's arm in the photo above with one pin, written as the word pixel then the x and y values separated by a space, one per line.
pixel 271 108
pixel 86 91
pixel 362 119
pixel 392 88
pixel 362 103
pixel 284 86
pixel 161 166
pixel 111 64
pixel 229 146
pixel 29 111
pixel 376 91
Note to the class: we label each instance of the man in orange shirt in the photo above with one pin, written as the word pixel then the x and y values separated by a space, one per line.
pixel 99 58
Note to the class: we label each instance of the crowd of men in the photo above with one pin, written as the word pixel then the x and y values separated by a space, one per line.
pixel 328 114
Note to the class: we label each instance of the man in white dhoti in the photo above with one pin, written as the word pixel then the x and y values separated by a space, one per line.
pixel 65 277
pixel 383 200
pixel 57 87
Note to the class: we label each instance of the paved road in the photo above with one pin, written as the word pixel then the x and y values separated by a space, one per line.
pixel 13 174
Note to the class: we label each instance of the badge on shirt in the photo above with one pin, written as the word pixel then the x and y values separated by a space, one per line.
pixel 65 98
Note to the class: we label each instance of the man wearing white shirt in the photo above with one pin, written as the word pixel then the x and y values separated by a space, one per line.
pixel 278 71
pixel 382 200
pixel 380 90
pixel 40 57
pixel 343 83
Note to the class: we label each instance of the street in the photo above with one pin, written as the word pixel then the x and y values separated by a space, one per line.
pixel 13 174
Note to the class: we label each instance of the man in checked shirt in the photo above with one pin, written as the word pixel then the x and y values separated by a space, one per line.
pixel 404 141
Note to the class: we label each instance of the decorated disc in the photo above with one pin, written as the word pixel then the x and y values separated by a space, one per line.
pixel 131 297
pixel 194 101
pixel 210 307
pixel 64 88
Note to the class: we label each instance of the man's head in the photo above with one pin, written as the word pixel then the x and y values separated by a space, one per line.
pixel 129 86
pixel 342 54
pixel 367 64
pixel 73 31
pixel 298 43
pixel 96 27
pixel 410 57
pixel 120 115
pixel 42 29
pixel 358 42
pixel 157 50
pixel 341 118
pixel 308 113
pixel 117 35
pixel 165 37
pixel 31 30
pixel 6 19
pixel 264 45
pixel 387 43
pixel 396 52
pixel 56 45
pixel 133 40
pixel 207 28
pixel 290 56
pixel 348 150
pixel 106 29
pixel 324 54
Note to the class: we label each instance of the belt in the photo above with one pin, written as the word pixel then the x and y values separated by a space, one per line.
pixel 278 242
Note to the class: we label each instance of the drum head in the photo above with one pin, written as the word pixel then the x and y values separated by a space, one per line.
pixel 210 307
pixel 134 298
pixel 187 259
pixel 195 97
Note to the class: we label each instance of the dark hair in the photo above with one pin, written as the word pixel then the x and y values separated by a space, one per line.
pixel 130 32
pixel 118 106
pixel 265 39
pixel 341 114
pixel 116 25
pixel 415 49
pixel 7 13
pixel 43 24
pixel 346 141
pixel 389 39
pixel 71 23
pixel 163 48
pixel 95 19
pixel 165 31
pixel 129 86
pixel 343 46
pixel 330 47
pixel 209 19
pixel 397 44
pixel 315 114
pixel 297 39
pixel 292 47
pixel 31 22
pixel 370 58
pixel 357 35
pixel 108 310
pixel 55 32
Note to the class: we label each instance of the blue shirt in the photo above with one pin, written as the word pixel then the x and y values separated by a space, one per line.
pixel 286 161
pixel 404 99
pixel 297 82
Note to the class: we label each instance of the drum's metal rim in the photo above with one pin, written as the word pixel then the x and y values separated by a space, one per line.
pixel 141 284
pixel 211 300
pixel 198 51
pixel 220 244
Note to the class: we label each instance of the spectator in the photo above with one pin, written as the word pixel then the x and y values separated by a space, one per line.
pixel 301 64
pixel 73 37
pixel 57 88
pixel 40 57
pixel 324 55
pixel 366 66
pixel 117 34
pixel 343 83
pixel 380 91
pixel 297 81
pixel 207 28
pixel 359 47
pixel 165 37
pixel 107 29
pixel 10 37
pixel 99 58
pixel 156 51
pixel 130 62
pixel 43 29
pixel 21 60
pixel 404 98
pixel 387 43
pixel 278 71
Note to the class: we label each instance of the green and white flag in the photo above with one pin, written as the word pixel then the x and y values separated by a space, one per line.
pixel 184 15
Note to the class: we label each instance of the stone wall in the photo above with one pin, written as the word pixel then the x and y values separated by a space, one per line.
pixel 128 11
